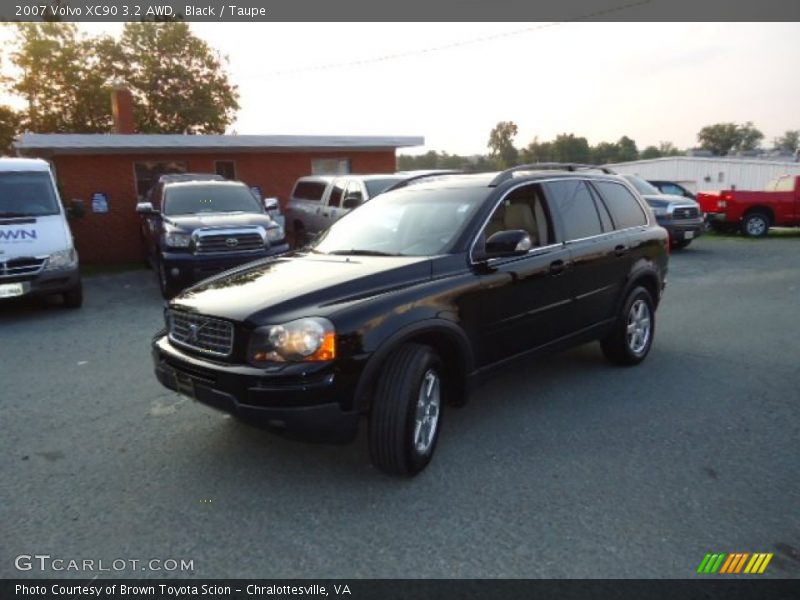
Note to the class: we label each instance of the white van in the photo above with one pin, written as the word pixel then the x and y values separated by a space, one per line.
pixel 37 255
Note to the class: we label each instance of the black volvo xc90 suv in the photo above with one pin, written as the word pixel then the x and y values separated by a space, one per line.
pixel 405 303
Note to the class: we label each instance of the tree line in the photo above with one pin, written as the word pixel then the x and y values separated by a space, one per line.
pixel 721 139
pixel 179 84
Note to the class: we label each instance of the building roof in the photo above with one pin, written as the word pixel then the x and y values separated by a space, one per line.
pixel 101 143
pixel 705 159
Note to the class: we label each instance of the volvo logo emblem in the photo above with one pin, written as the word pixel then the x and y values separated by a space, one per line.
pixel 231 242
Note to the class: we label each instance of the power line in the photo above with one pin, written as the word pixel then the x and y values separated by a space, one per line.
pixel 452 45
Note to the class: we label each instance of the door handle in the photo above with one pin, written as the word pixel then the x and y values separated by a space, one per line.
pixel 620 250
pixel 324 214
pixel 557 267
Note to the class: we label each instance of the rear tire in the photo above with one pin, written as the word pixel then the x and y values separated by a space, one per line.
pixel 632 336
pixel 74 297
pixel 405 418
pixel 755 224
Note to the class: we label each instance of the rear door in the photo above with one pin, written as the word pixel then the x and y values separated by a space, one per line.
pixel 598 253
pixel 332 210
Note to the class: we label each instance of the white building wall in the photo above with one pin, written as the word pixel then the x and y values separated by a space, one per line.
pixel 708 174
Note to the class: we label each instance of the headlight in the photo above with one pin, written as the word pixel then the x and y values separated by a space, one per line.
pixel 305 340
pixel 661 211
pixel 275 234
pixel 177 240
pixel 63 259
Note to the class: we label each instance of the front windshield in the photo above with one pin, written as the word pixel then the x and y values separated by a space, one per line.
pixel 642 186
pixel 407 222
pixel 192 198
pixel 27 194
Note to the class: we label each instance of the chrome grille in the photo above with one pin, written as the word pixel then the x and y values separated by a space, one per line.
pixel 228 242
pixel 685 212
pixel 204 334
pixel 21 267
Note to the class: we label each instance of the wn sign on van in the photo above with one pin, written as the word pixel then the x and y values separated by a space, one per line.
pixel 17 235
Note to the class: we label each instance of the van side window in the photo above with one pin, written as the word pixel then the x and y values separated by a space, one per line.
pixel 625 209
pixel 576 206
pixel 309 190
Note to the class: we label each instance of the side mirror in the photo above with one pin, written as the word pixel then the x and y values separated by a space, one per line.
pixel 145 208
pixel 512 242
pixel 352 201
pixel 272 205
pixel 77 210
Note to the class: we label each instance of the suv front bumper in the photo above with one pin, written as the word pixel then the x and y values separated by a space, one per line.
pixel 309 405
pixel 185 268
pixel 684 229
pixel 44 283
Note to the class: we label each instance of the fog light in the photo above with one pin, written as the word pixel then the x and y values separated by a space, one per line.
pixel 175 272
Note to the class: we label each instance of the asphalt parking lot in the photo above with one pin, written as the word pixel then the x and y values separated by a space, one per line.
pixel 568 468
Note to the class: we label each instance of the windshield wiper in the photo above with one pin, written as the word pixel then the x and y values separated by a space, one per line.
pixel 355 252
pixel 14 214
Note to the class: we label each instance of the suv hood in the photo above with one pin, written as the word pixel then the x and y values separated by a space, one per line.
pixel 299 285
pixel 665 199
pixel 198 221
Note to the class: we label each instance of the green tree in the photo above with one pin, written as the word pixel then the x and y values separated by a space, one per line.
pixel 650 152
pixel 788 142
pixel 9 127
pixel 668 149
pixel 179 84
pixel 604 153
pixel 62 79
pixel 501 144
pixel 538 151
pixel 723 138
pixel 569 148
pixel 627 149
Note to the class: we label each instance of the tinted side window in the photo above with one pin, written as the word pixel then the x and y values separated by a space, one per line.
pixel 309 190
pixel 354 191
pixel 335 199
pixel 624 207
pixel 572 199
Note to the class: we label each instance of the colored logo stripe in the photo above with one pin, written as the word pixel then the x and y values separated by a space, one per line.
pixel 734 563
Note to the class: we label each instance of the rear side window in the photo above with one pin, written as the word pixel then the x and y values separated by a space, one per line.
pixel 309 190
pixel 625 209
pixel 572 199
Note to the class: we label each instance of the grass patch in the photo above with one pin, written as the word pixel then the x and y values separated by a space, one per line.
pixel 111 269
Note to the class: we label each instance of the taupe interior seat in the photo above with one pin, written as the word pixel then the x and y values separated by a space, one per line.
pixel 520 216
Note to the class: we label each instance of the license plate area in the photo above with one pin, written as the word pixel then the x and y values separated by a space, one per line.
pixel 688 235
pixel 11 290
pixel 184 384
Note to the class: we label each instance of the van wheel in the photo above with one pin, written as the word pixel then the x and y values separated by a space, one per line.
pixel 299 235
pixel 755 224
pixel 74 297
pixel 632 336
pixel 405 417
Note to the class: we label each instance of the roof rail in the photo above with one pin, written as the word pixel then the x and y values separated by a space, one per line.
pixel 509 173
pixel 404 182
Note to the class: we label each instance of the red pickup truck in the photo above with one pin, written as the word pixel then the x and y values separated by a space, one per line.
pixel 753 213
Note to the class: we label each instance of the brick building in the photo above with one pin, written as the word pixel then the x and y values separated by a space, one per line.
pixel 108 173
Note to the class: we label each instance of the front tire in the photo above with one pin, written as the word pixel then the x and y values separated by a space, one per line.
pixel 74 297
pixel 632 336
pixel 405 418
pixel 168 290
pixel 755 224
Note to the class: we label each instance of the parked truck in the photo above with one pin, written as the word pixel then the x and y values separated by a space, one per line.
pixel 753 213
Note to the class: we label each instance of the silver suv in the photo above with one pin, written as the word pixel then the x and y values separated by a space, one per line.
pixel 318 201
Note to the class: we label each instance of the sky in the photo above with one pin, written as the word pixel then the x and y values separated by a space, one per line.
pixel 452 82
